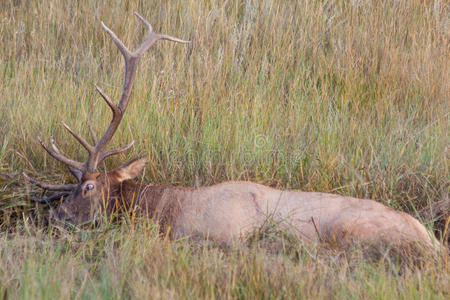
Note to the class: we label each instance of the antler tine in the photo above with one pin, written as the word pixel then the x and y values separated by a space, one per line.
pixel 151 37
pixel 75 172
pixel 94 157
pixel 131 59
pixel 93 135
pixel 125 52
pixel 146 23
pixel 58 156
pixel 82 141
pixel 52 143
pixel 114 108
pixel 105 154
pixel 52 187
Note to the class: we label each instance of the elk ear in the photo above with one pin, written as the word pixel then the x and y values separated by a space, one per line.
pixel 129 170
pixel 77 173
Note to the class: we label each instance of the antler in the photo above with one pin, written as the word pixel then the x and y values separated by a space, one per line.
pixel 131 59
pixel 97 152
pixel 53 187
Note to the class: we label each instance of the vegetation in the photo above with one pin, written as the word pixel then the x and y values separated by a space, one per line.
pixel 348 97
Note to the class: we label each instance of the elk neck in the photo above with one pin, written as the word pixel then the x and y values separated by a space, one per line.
pixel 161 203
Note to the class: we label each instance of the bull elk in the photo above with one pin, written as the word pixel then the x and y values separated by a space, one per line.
pixel 224 212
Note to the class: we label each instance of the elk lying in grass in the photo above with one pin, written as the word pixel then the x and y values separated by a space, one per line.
pixel 224 212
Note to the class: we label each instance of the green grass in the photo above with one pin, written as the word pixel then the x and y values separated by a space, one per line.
pixel 349 97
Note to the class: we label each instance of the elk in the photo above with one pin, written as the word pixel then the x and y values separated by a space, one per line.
pixel 225 212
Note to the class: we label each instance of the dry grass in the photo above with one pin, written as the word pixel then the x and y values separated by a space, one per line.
pixel 349 97
pixel 132 261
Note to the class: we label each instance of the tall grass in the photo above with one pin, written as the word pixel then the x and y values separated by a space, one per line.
pixel 132 261
pixel 349 97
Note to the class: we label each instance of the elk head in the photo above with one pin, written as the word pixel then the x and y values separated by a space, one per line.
pixel 94 189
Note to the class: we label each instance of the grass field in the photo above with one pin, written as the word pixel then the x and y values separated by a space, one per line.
pixel 348 97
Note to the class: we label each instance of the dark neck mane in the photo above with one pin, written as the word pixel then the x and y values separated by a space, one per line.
pixel 153 201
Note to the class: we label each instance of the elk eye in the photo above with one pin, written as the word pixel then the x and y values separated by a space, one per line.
pixel 89 187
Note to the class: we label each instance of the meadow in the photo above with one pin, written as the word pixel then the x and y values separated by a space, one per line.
pixel 347 97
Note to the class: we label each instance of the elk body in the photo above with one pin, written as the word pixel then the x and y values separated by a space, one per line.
pixel 224 212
